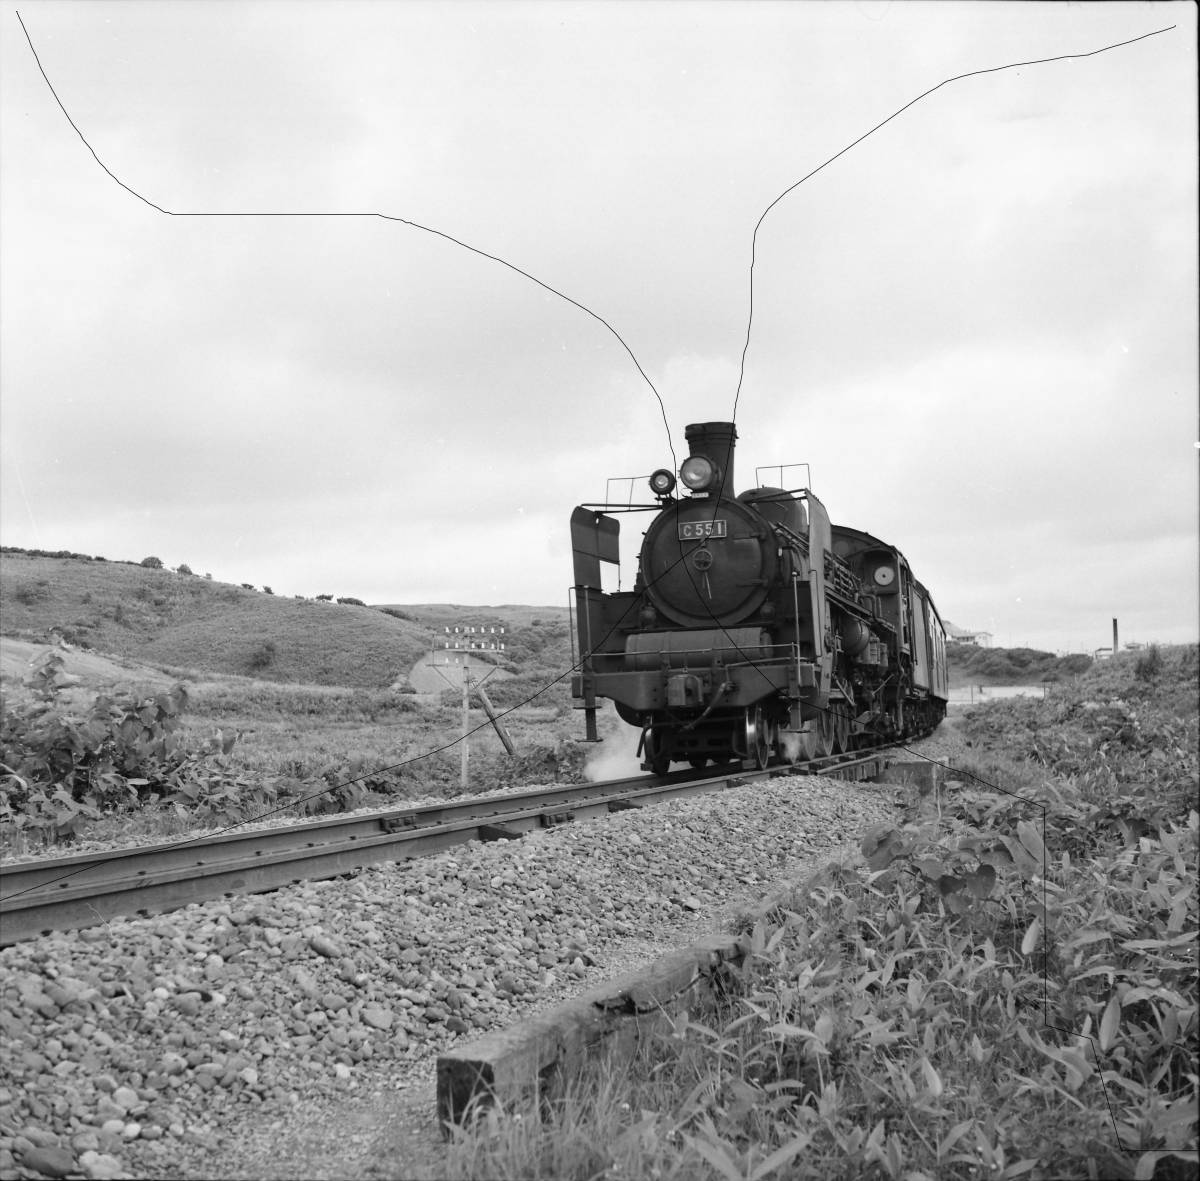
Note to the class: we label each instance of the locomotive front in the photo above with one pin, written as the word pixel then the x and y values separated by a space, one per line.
pixel 715 652
pixel 707 559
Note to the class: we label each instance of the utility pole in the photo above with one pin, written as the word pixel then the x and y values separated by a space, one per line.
pixel 466 684
pixel 466 746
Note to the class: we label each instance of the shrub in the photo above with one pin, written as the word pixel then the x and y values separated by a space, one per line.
pixel 397 614
pixel 352 601
pixel 324 598
pixel 152 563
pixel 32 592
pixel 263 656
pixel 183 568
pixel 58 769
pixel 247 586
pixel 1149 664
pixel 267 590
pixel 209 577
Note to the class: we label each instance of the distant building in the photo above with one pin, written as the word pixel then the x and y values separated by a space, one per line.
pixel 961 635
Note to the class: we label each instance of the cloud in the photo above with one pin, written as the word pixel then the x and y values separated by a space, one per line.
pixel 977 327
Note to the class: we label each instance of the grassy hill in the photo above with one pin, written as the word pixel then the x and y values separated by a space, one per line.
pixel 972 665
pixel 198 626
pixel 534 638
pixel 190 623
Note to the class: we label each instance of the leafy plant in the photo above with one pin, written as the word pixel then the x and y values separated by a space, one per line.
pixel 59 767
pixel 1149 664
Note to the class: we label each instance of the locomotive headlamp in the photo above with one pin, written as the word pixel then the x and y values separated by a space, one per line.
pixel 884 576
pixel 699 473
pixel 662 483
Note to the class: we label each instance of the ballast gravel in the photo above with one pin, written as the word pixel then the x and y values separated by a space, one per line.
pixel 171 1046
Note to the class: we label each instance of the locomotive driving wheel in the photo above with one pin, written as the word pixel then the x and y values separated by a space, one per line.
pixel 757 738
pixel 656 749
pixel 842 728
pixel 826 732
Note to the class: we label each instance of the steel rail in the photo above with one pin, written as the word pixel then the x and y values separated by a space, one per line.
pixel 86 889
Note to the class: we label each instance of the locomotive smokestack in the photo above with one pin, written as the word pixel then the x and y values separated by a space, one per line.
pixel 716 440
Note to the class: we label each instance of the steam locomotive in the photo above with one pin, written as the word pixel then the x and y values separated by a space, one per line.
pixel 755 629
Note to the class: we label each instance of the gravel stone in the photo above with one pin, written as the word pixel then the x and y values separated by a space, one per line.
pixel 125 1097
pixel 101 1167
pixel 39 1137
pixel 378 1018
pixel 325 946
pixel 50 1162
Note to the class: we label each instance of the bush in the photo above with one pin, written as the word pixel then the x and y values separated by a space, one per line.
pixel 397 614
pixel 267 590
pixel 60 769
pixel 183 568
pixel 152 563
pixel 247 586
pixel 32 592
pixel 263 656
pixel 1149 664
pixel 352 601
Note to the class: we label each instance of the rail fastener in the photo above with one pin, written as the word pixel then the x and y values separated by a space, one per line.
pixel 499 832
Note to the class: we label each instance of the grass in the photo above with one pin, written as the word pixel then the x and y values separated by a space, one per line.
pixel 972 665
pixel 335 747
pixel 314 692
pixel 969 1004
pixel 163 618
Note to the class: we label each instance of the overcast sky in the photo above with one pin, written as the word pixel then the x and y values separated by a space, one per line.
pixel 979 326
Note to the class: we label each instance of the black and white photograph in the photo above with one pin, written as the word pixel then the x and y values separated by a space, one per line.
pixel 599 590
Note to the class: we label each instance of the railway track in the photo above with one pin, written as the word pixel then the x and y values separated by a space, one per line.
pixel 84 890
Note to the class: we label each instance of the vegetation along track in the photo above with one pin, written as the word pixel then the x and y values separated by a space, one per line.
pixel 61 893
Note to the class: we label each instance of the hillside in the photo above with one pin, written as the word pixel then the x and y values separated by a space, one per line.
pixel 196 625
pixel 535 639
pixel 972 665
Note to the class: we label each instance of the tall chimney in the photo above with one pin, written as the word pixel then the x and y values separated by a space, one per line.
pixel 1114 637
pixel 716 440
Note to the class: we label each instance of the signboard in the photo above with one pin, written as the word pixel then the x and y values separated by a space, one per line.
pixel 700 530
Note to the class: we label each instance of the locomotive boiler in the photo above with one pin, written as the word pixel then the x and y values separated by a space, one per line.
pixel 755 629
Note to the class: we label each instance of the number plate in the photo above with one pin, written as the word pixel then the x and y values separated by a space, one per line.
pixel 698 530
